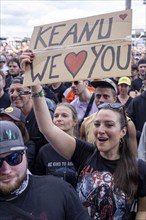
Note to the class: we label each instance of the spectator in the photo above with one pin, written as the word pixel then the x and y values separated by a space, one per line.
pixel 21 98
pixel 25 196
pixel 107 160
pixel 84 103
pixel 14 71
pixel 123 91
pixel 15 114
pixel 134 72
pixel 112 162
pixel 48 160
pixel 137 83
pixel 136 111
pixel 58 89
pixel 4 97
pixel 105 92
pixel 3 66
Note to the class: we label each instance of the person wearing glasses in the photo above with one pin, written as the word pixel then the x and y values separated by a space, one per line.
pixel 109 162
pixel 84 103
pixel 25 196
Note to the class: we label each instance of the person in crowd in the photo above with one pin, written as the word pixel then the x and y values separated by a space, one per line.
pixel 58 89
pixel 3 65
pixel 137 83
pixel 49 93
pixel 48 160
pixel 25 196
pixel 123 91
pixel 111 162
pixel 13 71
pixel 84 103
pixel 21 98
pixel 136 111
pixel 134 72
pixel 4 97
pixel 69 95
pixel 15 115
pixel 105 91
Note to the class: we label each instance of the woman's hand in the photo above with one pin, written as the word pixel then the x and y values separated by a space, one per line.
pixel 25 58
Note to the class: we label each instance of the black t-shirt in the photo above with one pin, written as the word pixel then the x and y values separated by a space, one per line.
pixel 59 91
pixel 47 198
pixel 136 84
pixel 95 187
pixel 5 101
pixel 49 162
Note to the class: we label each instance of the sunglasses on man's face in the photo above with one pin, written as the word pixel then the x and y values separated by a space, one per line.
pixel 74 82
pixel 12 159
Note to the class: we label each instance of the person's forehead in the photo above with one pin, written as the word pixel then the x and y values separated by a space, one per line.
pixel 13 64
pixel 18 86
pixel 142 65
pixel 107 113
pixel 63 109
pixel 103 90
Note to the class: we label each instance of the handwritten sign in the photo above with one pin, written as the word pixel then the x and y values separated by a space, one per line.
pixel 87 48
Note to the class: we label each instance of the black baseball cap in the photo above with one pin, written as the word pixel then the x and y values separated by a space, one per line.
pixel 10 138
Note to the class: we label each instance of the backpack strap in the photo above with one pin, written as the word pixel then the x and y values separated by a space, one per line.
pixel 10 208
pixel 88 108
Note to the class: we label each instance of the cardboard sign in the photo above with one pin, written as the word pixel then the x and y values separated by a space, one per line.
pixel 87 48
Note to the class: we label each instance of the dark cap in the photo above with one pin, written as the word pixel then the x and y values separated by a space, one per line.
pixel 14 113
pixel 142 61
pixel 104 83
pixel 10 138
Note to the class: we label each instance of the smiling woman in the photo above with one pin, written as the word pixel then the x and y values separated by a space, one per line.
pixel 110 162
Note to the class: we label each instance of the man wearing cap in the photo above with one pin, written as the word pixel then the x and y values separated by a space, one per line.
pixel 123 97
pixel 105 92
pixel 15 115
pixel 137 83
pixel 24 196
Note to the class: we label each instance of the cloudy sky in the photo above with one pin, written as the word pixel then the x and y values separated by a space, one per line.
pixel 19 17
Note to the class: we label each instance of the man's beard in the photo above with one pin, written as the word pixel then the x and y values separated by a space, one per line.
pixel 6 189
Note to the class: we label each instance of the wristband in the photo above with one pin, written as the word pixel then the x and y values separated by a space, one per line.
pixel 38 94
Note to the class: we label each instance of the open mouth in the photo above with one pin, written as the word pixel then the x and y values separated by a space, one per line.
pixel 102 139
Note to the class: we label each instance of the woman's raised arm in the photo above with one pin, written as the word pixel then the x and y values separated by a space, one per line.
pixel 62 142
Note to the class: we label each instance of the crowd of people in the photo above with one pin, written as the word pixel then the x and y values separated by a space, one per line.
pixel 72 150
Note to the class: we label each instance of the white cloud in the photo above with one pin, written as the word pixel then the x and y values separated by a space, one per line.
pixel 19 17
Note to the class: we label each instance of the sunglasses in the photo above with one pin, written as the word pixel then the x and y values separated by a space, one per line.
pixel 115 106
pixel 12 159
pixel 74 82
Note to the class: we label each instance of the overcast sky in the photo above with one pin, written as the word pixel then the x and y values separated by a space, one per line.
pixel 19 17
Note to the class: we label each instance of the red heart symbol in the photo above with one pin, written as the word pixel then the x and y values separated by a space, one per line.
pixel 123 16
pixel 74 62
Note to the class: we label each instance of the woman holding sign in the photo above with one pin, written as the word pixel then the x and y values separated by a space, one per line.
pixel 110 179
